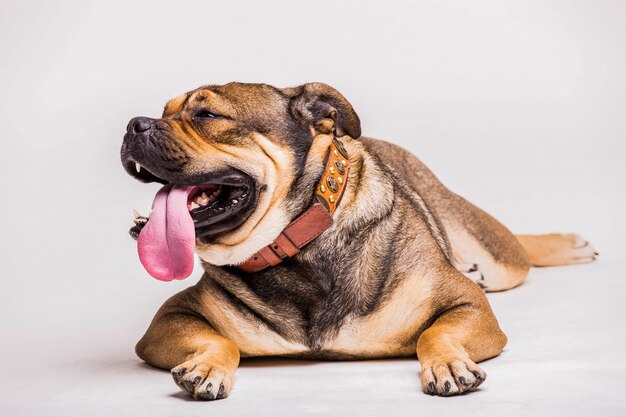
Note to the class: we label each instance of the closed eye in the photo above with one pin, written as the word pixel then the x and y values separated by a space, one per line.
pixel 205 114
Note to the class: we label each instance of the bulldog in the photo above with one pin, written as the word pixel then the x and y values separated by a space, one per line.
pixel 316 242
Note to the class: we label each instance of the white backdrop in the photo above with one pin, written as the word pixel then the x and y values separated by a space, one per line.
pixel 518 106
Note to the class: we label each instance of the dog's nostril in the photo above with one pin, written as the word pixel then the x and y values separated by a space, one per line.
pixel 142 126
pixel 139 124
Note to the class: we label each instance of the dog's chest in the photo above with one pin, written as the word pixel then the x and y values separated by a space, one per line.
pixel 391 329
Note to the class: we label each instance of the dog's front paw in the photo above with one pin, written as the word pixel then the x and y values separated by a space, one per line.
pixel 451 377
pixel 203 380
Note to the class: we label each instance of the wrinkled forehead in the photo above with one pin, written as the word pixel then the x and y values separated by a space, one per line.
pixel 233 98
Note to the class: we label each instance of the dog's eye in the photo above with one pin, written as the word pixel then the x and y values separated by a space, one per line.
pixel 204 114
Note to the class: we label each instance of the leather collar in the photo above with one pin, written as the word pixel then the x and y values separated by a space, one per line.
pixel 314 221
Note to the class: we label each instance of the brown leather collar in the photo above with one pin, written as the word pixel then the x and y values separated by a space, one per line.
pixel 315 220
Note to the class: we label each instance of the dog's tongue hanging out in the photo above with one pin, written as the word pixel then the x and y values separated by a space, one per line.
pixel 166 243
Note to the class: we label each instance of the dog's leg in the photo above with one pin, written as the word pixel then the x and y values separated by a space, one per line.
pixel 461 336
pixel 557 249
pixel 202 362
pixel 475 237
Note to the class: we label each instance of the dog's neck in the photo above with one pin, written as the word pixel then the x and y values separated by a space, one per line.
pixel 313 221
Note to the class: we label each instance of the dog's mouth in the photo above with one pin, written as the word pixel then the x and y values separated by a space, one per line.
pixel 219 207
pixel 217 202
pixel 186 210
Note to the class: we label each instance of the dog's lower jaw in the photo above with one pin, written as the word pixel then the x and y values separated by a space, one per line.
pixel 219 254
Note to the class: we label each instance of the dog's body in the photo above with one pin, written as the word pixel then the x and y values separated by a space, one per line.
pixel 396 274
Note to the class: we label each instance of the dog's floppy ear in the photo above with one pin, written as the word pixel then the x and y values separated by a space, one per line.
pixel 323 108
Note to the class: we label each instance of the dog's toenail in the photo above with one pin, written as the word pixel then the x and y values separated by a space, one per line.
pixel 446 386
pixel 210 395
pixel 220 392
pixel 462 380
pixel 431 387
pixel 196 380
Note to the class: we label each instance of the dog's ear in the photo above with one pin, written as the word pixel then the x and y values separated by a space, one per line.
pixel 323 108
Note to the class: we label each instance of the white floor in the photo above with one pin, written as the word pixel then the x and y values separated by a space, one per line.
pixel 565 357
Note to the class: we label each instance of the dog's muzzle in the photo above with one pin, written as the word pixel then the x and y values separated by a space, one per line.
pixel 150 143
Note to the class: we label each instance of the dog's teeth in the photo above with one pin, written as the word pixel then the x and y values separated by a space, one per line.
pixel 136 214
pixel 203 199
pixel 138 167
pixel 194 205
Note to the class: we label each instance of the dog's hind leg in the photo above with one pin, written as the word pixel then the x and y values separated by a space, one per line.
pixel 557 249
pixel 501 259
pixel 201 361
pixel 498 261
pixel 481 247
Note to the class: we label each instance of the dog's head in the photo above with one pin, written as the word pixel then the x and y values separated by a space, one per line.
pixel 243 158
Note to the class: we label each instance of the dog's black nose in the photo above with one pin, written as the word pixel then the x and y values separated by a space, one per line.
pixel 139 124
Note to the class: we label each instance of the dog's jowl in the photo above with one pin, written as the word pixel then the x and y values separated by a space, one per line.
pixel 316 242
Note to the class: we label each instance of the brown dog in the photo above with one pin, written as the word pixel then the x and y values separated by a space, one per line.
pixel 316 242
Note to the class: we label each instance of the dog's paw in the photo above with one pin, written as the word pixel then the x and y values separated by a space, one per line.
pixel 577 250
pixel 202 380
pixel 451 377
pixel 140 221
pixel 472 271
pixel 558 249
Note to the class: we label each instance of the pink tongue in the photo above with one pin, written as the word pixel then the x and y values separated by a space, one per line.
pixel 166 243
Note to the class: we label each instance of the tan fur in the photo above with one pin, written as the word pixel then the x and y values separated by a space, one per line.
pixel 492 275
pixel 392 331
pixel 405 293
pixel 557 249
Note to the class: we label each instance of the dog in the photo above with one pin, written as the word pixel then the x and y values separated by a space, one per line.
pixel 316 242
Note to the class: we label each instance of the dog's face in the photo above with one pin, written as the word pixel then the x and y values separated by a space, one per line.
pixel 244 148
